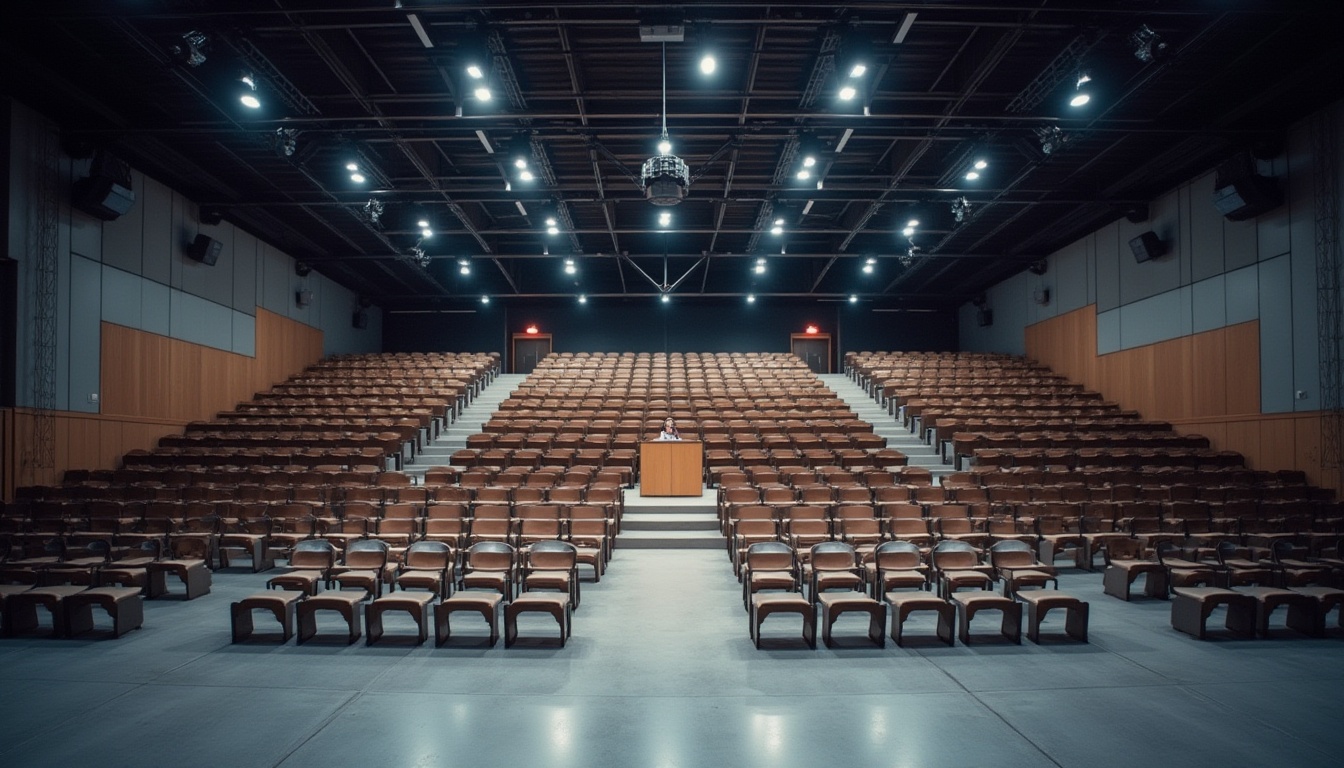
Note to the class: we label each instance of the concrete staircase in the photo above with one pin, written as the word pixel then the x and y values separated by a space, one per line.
pixel 920 453
pixel 670 523
pixel 454 438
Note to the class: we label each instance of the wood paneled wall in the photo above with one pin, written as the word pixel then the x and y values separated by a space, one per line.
pixel 1207 383
pixel 152 386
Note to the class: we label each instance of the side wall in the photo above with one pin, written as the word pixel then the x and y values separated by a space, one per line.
pixel 235 321
pixel 1220 335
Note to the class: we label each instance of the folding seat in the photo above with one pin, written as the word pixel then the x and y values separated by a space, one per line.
pixel 537 522
pixel 896 565
pixel 802 533
pixel 957 564
pixel 491 522
pixel 769 565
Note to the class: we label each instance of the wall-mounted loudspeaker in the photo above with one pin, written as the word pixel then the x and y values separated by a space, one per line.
pixel 1039 267
pixel 985 316
pixel 303 297
pixel 212 214
pixel 1239 193
pixel 106 194
pixel 360 319
pixel 301 269
pixel 205 249
pixel 1147 247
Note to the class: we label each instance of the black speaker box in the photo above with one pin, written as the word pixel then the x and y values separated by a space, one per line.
pixel 211 214
pixel 360 319
pixel 102 198
pixel 106 194
pixel 985 316
pixel 205 249
pixel 1147 247
pixel 1239 193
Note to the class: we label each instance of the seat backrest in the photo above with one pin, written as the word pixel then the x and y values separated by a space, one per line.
pixel 490 556
pixel 366 553
pixel 897 554
pixel 770 556
pixel 954 554
pixel 428 554
pixel 833 556
pixel 313 553
pixel 552 555
pixel 1011 553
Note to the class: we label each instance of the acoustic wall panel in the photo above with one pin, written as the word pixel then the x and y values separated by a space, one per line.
pixel 1208 304
pixel 123 238
pixel 1272 229
pixel 244 272
pixel 1151 320
pixel 161 229
pixel 1107 243
pixel 1243 302
pixel 155 309
pixel 244 334
pixel 120 295
pixel 1276 333
pixel 1108 332
pixel 1070 283
pixel 85 303
pixel 1205 231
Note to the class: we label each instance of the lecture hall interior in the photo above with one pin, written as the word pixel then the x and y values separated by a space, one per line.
pixel 1002 342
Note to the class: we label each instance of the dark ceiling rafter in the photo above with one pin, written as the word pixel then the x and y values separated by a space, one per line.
pixel 575 79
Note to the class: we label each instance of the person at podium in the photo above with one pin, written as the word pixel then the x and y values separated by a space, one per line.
pixel 669 430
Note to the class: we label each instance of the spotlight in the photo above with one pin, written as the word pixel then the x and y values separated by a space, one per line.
pixel 569 267
pixel 665 146
pixel 249 96
pixel 858 70
pixel 352 166
pixel 520 163
pixel 1081 97
pixel 961 208
pixel 666 298
pixel 285 141
pixel 853 299
pixel 848 93
pixel 804 174
pixel 583 299
pixel 1079 100
pixel 485 299
pixel 908 231
pixel 809 161
pixel 751 298
pixel 475 72
pixel 426 233
pixel 778 228
pixel 1051 139
pixel 867 269
pixel 358 177
pixel 912 223
pixel 1147 44
pixel 972 175
pixel 526 175
pixel 422 223
pixel 374 211
pixel 191 49
pixel 981 165
pixel 483 94
pixel 463 267
pixel 665 218
pixel 760 267
pixel 552 228
pixel 708 64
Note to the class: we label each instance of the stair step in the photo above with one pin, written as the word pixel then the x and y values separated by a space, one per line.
pixel 669 540
pixel 664 521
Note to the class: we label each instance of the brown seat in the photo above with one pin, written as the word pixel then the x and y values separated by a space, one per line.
pixel 1016 564
pixel 835 604
pixel 1302 609
pixel 1041 601
pixel 427 565
pixel 365 567
pixel 1327 599
pixel 763 605
pixel 21 609
pixel 1124 567
pixel 957 564
pixel 1191 607
pixel 471 601
pixel 344 603
pixel 554 565
pixel 123 604
pixel 769 565
pixel 970 603
pixel 282 604
pixel 310 563
pixel 557 605
pixel 491 565
pixel 905 603
pixel 896 565
pixel 416 604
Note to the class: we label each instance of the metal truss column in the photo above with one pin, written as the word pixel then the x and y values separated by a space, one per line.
pixel 1325 194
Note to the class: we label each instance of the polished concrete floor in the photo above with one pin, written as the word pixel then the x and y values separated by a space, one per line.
pixel 660 672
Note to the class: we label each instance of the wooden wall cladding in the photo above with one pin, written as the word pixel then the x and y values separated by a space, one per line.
pixel 1207 383
pixel 152 386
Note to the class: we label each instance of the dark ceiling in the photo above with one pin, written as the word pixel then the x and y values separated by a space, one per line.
pixel 578 94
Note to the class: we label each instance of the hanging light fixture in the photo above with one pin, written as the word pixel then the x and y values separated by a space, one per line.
pixel 665 177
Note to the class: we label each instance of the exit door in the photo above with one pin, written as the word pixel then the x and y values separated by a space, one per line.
pixel 528 350
pixel 814 348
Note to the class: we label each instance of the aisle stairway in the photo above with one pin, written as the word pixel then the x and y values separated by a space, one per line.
pixel 671 522
pixel 473 417
pixel 920 453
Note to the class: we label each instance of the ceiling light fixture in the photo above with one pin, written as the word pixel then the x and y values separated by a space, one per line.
pixel 583 299
pixel 552 228
pixel 485 299
pixel 708 64
pixel 778 228
pixel 666 298
pixel 1051 138
pixel 961 209
pixel 1081 96
pixel 249 96
pixel 760 267
pixel 853 299
pixel 751 298
pixel 191 50
pixel 482 93
pixel 858 70
pixel 665 177
pixel 570 267
pixel 464 266
pixel 665 218
pixel 848 93
pixel 1148 45
pixel 474 72
pixel 373 209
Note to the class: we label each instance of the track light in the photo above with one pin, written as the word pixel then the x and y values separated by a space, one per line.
pixel 848 93
pixel 751 298
pixel 1147 44
pixel 708 64
pixel 463 267
pixel 583 299
pixel 474 72
pixel 249 96
pixel 961 208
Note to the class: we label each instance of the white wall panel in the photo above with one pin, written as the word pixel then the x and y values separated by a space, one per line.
pixel 244 272
pixel 1276 333
pixel 1153 319
pixel 121 297
pixel 155 310
pixel 1108 266
pixel 1108 332
pixel 1208 304
pixel 244 334
pixel 1205 232
pixel 1243 299
pixel 85 347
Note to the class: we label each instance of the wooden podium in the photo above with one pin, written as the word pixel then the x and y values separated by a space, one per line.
pixel 671 467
